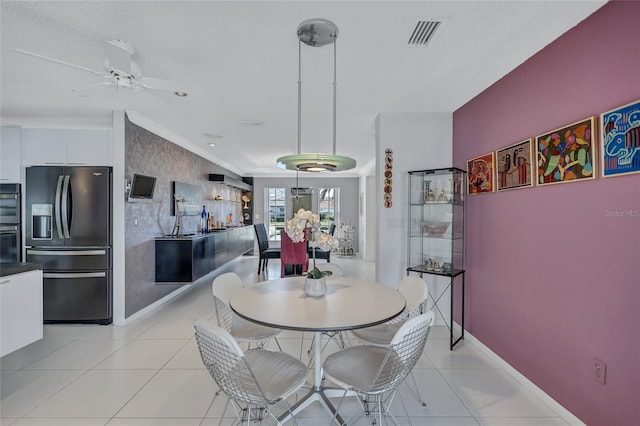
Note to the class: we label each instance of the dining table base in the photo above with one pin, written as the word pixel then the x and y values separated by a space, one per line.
pixel 317 392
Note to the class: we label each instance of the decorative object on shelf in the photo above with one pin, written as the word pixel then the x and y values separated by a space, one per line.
pixel 316 32
pixel 177 225
pixel 620 140
pixel 435 227
pixel 567 154
pixel 306 223
pixel 428 192
pixel 388 177
pixel 246 201
pixel 514 166
pixel 481 176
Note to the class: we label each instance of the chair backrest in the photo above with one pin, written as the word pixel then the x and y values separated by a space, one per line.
pixel 225 361
pixel 336 271
pixel 332 229
pixel 404 352
pixel 292 253
pixel 416 292
pixel 223 287
pixel 261 236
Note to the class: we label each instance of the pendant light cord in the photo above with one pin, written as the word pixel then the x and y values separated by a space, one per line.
pixel 299 96
pixel 335 90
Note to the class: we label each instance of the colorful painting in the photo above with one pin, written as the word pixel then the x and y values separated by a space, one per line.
pixel 480 172
pixel 620 136
pixel 567 154
pixel 514 166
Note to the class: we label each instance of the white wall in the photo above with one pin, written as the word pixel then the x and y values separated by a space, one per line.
pixel 419 141
pixel 118 190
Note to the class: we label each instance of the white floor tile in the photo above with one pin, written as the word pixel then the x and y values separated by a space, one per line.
pixel 154 421
pixel 26 389
pixel 521 421
pixel 170 329
pixel 173 393
pixel 188 357
pixel 142 354
pixel 79 354
pixel 31 353
pixel 86 421
pixel 97 393
pixel 493 393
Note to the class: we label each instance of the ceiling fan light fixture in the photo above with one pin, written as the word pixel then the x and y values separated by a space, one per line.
pixel 316 32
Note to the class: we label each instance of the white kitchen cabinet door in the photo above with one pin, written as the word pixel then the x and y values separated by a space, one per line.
pixel 44 147
pixel 89 147
pixel 20 310
pixel 72 147
pixel 10 154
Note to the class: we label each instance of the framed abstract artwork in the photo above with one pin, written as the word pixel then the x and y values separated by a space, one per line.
pixel 620 140
pixel 481 174
pixel 514 166
pixel 567 154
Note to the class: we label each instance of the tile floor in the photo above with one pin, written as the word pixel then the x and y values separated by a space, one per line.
pixel 149 373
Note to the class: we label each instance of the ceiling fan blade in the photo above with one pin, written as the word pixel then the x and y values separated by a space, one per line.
pixel 36 55
pixel 160 84
pixel 79 90
pixel 119 53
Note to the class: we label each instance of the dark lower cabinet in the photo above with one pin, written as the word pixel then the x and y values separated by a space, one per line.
pixel 185 259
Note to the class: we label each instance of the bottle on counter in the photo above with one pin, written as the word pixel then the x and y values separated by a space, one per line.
pixel 203 220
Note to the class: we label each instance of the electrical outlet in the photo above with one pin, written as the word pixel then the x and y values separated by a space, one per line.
pixel 599 371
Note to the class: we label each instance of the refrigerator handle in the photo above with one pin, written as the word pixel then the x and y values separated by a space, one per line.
pixel 56 207
pixel 65 207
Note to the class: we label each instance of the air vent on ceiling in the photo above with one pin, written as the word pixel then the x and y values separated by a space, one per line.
pixel 423 33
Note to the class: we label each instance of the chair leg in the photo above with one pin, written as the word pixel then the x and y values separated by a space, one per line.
pixel 416 392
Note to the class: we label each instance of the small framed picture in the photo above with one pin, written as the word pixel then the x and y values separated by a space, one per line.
pixel 567 154
pixel 514 166
pixel 481 174
pixel 620 140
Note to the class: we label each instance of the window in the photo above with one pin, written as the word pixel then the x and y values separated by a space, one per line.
pixel 275 207
pixel 328 207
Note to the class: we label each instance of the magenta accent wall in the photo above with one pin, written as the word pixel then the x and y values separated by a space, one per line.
pixel 553 275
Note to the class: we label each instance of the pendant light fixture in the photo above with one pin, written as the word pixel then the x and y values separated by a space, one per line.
pixel 316 32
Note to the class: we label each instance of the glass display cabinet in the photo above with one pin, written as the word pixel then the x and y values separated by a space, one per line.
pixel 436 235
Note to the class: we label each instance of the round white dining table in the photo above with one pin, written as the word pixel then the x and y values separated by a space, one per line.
pixel 348 304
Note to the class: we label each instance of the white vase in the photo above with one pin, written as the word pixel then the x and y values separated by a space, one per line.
pixel 315 287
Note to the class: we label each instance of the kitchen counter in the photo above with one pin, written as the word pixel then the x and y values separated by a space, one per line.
pixel 186 258
pixel 200 235
pixel 18 267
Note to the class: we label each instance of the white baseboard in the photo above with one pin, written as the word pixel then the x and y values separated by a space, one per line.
pixel 565 414
pixel 157 304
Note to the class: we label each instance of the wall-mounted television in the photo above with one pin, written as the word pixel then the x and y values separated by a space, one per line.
pixel 142 187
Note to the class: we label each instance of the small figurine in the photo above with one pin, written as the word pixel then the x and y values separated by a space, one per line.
pixel 442 197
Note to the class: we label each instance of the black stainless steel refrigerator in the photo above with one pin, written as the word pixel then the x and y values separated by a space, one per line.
pixel 68 230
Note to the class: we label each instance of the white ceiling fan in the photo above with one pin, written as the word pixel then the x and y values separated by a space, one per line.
pixel 120 71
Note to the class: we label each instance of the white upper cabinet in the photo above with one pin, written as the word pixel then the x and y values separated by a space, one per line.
pixel 10 154
pixel 73 147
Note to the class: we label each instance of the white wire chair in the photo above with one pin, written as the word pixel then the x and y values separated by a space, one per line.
pixel 254 380
pixel 416 292
pixel 223 287
pixel 374 372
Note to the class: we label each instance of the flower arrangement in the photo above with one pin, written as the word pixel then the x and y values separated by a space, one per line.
pixel 296 229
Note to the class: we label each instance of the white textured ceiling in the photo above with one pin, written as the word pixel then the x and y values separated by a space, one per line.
pixel 238 60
